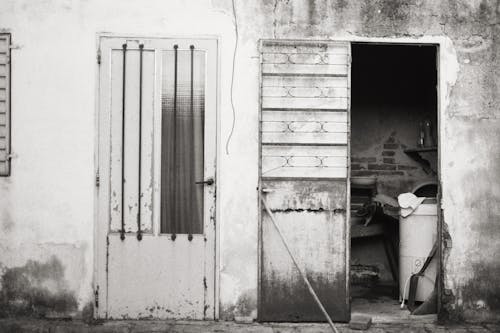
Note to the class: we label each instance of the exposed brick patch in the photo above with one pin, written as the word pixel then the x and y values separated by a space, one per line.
pixel 391 146
pixel 381 167
pixel 389 160
pixel 357 167
pixel 364 159
pixel 388 153
pixel 407 167
pixel 363 173
pixel 391 173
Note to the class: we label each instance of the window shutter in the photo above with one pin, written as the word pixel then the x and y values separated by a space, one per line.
pixel 4 104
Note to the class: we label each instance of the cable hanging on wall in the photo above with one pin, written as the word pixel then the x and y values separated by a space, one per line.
pixel 232 76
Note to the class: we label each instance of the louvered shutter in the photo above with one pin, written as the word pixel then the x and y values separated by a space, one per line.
pixel 304 171
pixel 4 104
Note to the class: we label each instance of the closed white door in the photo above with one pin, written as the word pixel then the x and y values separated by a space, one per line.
pixel 156 164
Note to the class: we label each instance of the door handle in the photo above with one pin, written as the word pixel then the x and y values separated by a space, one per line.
pixel 209 181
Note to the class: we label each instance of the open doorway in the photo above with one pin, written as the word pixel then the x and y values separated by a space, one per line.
pixel 394 150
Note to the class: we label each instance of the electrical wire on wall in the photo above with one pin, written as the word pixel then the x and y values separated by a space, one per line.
pixel 232 77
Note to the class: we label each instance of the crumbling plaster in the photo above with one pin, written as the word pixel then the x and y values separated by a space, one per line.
pixel 467 32
pixel 46 206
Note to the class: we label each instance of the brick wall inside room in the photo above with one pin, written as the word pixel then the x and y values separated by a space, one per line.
pixel 379 138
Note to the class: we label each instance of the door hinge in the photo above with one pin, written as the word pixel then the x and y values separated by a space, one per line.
pixel 96 297
pixel 97 179
pixel 98 56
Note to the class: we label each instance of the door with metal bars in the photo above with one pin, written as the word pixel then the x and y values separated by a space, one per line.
pixel 156 166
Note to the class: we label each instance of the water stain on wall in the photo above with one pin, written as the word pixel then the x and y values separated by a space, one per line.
pixel 36 289
pixel 300 306
pixel 245 306
pixel 483 289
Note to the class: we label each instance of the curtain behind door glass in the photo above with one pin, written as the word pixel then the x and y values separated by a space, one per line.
pixel 182 152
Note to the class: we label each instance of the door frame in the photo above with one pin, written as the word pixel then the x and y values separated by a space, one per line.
pixel 445 76
pixel 99 280
pixel 441 99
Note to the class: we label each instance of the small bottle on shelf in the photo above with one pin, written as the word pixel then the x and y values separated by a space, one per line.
pixel 421 136
pixel 428 139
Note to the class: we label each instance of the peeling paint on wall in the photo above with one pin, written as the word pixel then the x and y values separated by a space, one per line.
pixel 52 202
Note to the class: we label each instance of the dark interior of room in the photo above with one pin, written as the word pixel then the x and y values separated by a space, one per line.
pixel 393 151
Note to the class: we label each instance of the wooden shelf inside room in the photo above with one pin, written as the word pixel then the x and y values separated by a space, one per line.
pixel 414 153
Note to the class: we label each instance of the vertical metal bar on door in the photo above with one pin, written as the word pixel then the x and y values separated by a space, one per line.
pixel 122 231
pixel 190 235
pixel 139 231
pixel 175 144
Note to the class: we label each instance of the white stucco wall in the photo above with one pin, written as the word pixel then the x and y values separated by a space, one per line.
pixel 47 204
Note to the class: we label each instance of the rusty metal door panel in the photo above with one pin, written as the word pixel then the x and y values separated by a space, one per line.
pixel 312 217
pixel 304 136
pixel 140 271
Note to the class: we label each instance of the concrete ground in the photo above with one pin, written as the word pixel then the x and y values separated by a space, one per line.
pixel 143 326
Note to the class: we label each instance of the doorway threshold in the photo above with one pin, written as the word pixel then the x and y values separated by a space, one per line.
pixel 386 310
